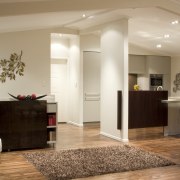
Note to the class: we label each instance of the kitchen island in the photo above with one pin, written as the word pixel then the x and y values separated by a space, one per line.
pixel 146 109
pixel 173 127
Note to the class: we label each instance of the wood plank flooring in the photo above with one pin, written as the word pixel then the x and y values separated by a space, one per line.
pixel 13 166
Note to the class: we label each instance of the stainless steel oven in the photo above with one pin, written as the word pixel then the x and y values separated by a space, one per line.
pixel 155 81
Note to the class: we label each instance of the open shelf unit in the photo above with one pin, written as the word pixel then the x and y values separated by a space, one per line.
pixel 51 123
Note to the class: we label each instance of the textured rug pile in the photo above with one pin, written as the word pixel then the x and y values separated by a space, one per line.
pixel 77 163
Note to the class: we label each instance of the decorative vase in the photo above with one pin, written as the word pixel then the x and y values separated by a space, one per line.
pixel 28 97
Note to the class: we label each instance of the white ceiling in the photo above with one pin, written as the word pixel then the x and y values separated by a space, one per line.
pixel 148 20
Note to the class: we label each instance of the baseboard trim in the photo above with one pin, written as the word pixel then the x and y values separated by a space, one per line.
pixel 114 137
pixel 62 122
pixel 76 124
pixel 110 136
pixel 91 122
pixel 171 133
pixel 125 140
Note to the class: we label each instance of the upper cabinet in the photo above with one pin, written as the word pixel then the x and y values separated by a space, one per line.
pixel 158 64
pixel 149 64
pixel 137 64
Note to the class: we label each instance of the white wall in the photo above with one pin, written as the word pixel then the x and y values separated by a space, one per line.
pixel 175 68
pixel 59 74
pixel 90 42
pixel 143 81
pixel 59 48
pixel 114 77
pixel 66 48
pixel 59 87
pixel 36 55
pixel 75 86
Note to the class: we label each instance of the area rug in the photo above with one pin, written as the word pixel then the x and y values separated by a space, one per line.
pixel 77 163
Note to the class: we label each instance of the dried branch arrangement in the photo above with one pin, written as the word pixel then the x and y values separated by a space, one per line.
pixel 9 68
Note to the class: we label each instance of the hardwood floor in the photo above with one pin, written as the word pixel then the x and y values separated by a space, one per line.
pixel 13 166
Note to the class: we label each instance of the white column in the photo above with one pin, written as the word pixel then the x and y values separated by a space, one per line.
pixel 114 77
pixel 75 86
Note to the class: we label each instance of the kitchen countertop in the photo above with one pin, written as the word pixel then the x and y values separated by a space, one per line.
pixel 171 100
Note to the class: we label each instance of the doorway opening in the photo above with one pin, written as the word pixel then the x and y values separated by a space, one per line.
pixel 65 80
pixel 59 87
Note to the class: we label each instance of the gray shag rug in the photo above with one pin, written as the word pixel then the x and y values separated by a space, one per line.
pixel 77 163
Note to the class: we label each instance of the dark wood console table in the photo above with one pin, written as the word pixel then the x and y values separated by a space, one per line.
pixel 23 124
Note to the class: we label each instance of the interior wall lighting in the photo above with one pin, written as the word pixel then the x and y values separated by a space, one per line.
pixel 83 15
pixel 166 36
pixel 158 46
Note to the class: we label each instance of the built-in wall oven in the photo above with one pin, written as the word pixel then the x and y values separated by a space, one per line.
pixel 155 81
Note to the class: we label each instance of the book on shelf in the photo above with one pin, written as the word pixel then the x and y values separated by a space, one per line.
pixel 51 120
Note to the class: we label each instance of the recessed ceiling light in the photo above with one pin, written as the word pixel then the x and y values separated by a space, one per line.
pixel 83 15
pixel 175 22
pixel 158 45
pixel 166 36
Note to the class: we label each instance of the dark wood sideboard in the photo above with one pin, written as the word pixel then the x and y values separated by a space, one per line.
pixel 23 124
pixel 145 109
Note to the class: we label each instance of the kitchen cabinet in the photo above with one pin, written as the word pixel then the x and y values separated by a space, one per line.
pixel 158 64
pixel 145 109
pixel 153 65
pixel 137 64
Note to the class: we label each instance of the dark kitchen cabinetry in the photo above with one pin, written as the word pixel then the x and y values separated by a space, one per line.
pixel 23 124
pixel 145 109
